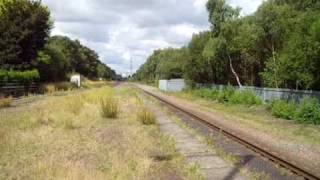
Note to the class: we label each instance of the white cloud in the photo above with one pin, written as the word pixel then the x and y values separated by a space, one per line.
pixel 247 6
pixel 120 30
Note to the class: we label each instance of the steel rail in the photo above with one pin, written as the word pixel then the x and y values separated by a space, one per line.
pixel 278 160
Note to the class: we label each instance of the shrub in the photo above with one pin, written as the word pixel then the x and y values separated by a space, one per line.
pixel 146 117
pixel 48 89
pixel 19 76
pixel 283 109
pixel 308 111
pixel 245 97
pixel 225 94
pixel 64 86
pixel 59 86
pixel 5 102
pixel 109 107
pixel 205 93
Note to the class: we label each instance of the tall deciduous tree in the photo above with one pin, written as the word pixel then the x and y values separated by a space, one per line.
pixel 24 28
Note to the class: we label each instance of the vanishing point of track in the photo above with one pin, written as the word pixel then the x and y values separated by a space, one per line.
pixel 278 160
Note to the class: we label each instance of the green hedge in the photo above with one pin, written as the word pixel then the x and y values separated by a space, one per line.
pixel 228 95
pixel 305 112
pixel 19 76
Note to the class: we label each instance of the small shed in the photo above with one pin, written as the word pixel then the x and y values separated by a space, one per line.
pixel 76 79
pixel 173 85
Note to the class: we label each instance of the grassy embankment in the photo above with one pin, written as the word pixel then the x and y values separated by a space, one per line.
pixel 70 138
pixel 245 108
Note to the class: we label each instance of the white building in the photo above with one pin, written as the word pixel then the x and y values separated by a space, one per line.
pixel 76 79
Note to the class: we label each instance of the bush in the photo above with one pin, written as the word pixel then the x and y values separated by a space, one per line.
pixel 245 97
pixel 5 102
pixel 225 94
pixel 24 77
pixel 146 117
pixel 50 88
pixel 207 93
pixel 308 111
pixel 228 94
pixel 65 86
pixel 109 107
pixel 283 109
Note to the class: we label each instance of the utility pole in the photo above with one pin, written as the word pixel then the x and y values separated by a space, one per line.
pixel 131 67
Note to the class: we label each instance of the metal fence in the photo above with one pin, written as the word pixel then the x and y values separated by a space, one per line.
pixel 269 94
pixel 17 89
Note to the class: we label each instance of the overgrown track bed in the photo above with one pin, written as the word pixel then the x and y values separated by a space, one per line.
pixel 230 135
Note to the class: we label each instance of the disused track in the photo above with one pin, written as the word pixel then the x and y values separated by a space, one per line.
pixel 264 153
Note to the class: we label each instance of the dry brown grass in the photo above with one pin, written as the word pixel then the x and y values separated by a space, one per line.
pixel 146 117
pixel 51 88
pixel 56 138
pixel 5 102
pixel 109 107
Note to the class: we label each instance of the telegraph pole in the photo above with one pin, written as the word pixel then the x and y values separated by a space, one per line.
pixel 131 67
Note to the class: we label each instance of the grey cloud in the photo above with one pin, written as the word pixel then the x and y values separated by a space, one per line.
pixel 120 29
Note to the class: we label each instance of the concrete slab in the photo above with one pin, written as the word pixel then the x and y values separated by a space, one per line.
pixel 195 151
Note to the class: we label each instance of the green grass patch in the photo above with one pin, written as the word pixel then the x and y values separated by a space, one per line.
pixel 307 111
pixel 227 95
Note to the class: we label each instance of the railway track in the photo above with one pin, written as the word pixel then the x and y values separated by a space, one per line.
pixel 259 150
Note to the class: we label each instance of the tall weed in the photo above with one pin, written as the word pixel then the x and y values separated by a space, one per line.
pixel 146 117
pixel 109 107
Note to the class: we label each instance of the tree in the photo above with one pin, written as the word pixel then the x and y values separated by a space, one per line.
pixel 62 56
pixel 277 46
pixel 197 68
pixel 24 28
pixel 224 26
pixel 277 23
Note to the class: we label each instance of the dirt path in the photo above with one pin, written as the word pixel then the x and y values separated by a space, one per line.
pixel 196 152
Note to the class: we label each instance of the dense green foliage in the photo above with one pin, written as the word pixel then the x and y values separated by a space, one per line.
pixel 277 46
pixel 307 111
pixel 227 95
pixel 25 45
pixel 19 76
pixel 25 27
pixel 163 64
pixel 62 56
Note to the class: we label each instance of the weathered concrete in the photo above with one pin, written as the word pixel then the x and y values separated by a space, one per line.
pixel 195 151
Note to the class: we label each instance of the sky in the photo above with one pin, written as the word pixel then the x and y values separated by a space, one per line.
pixel 125 31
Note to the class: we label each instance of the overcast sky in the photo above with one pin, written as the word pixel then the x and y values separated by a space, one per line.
pixel 120 30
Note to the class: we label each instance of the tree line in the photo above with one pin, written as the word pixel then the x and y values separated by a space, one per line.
pixel 26 47
pixel 277 46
